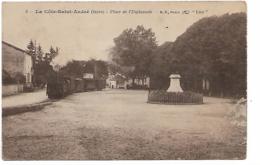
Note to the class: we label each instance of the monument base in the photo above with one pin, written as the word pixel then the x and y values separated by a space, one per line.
pixel 182 98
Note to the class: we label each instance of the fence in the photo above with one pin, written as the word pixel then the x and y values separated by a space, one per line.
pixel 164 97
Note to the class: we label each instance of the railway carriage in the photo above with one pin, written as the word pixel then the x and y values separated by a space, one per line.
pixel 59 86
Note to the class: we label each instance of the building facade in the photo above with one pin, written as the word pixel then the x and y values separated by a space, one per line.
pixel 18 65
pixel 120 81
pixel 116 81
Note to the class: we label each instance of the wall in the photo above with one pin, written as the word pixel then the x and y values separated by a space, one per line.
pixel 28 68
pixel 15 60
pixel 11 89
pixel 112 84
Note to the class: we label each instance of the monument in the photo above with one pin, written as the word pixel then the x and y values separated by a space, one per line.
pixel 175 85
pixel 174 94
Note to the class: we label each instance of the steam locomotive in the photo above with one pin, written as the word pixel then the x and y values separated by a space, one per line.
pixel 59 86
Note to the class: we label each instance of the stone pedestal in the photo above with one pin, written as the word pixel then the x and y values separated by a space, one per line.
pixel 175 83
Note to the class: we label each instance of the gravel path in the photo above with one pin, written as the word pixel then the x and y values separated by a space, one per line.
pixel 119 124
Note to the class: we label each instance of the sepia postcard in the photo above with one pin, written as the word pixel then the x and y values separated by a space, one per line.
pixel 124 80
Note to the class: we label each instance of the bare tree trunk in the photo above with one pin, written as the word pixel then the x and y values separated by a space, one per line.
pixel 133 81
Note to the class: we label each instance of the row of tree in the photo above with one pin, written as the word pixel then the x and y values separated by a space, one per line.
pixel 76 68
pixel 212 50
pixel 42 65
pixel 41 62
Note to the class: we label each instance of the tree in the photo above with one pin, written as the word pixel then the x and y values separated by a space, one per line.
pixel 213 48
pixel 39 54
pixel 41 62
pixel 51 54
pixel 73 68
pixel 31 50
pixel 101 69
pixel 76 68
pixel 7 78
pixel 164 63
pixel 114 68
pixel 133 48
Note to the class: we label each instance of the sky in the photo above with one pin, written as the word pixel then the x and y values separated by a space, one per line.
pixel 90 35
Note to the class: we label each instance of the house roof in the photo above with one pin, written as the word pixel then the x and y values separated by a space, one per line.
pixel 19 49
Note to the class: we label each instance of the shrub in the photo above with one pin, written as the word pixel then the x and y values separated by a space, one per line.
pixel 164 97
pixel 28 87
pixel 19 78
pixel 6 78
pixel 238 113
pixel 136 86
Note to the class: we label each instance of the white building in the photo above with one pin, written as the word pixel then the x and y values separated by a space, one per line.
pixel 116 81
pixel 120 81
pixel 17 64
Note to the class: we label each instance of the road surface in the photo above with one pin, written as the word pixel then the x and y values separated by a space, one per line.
pixel 119 124
pixel 24 98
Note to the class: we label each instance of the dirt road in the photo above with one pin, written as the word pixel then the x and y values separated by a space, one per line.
pixel 119 124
